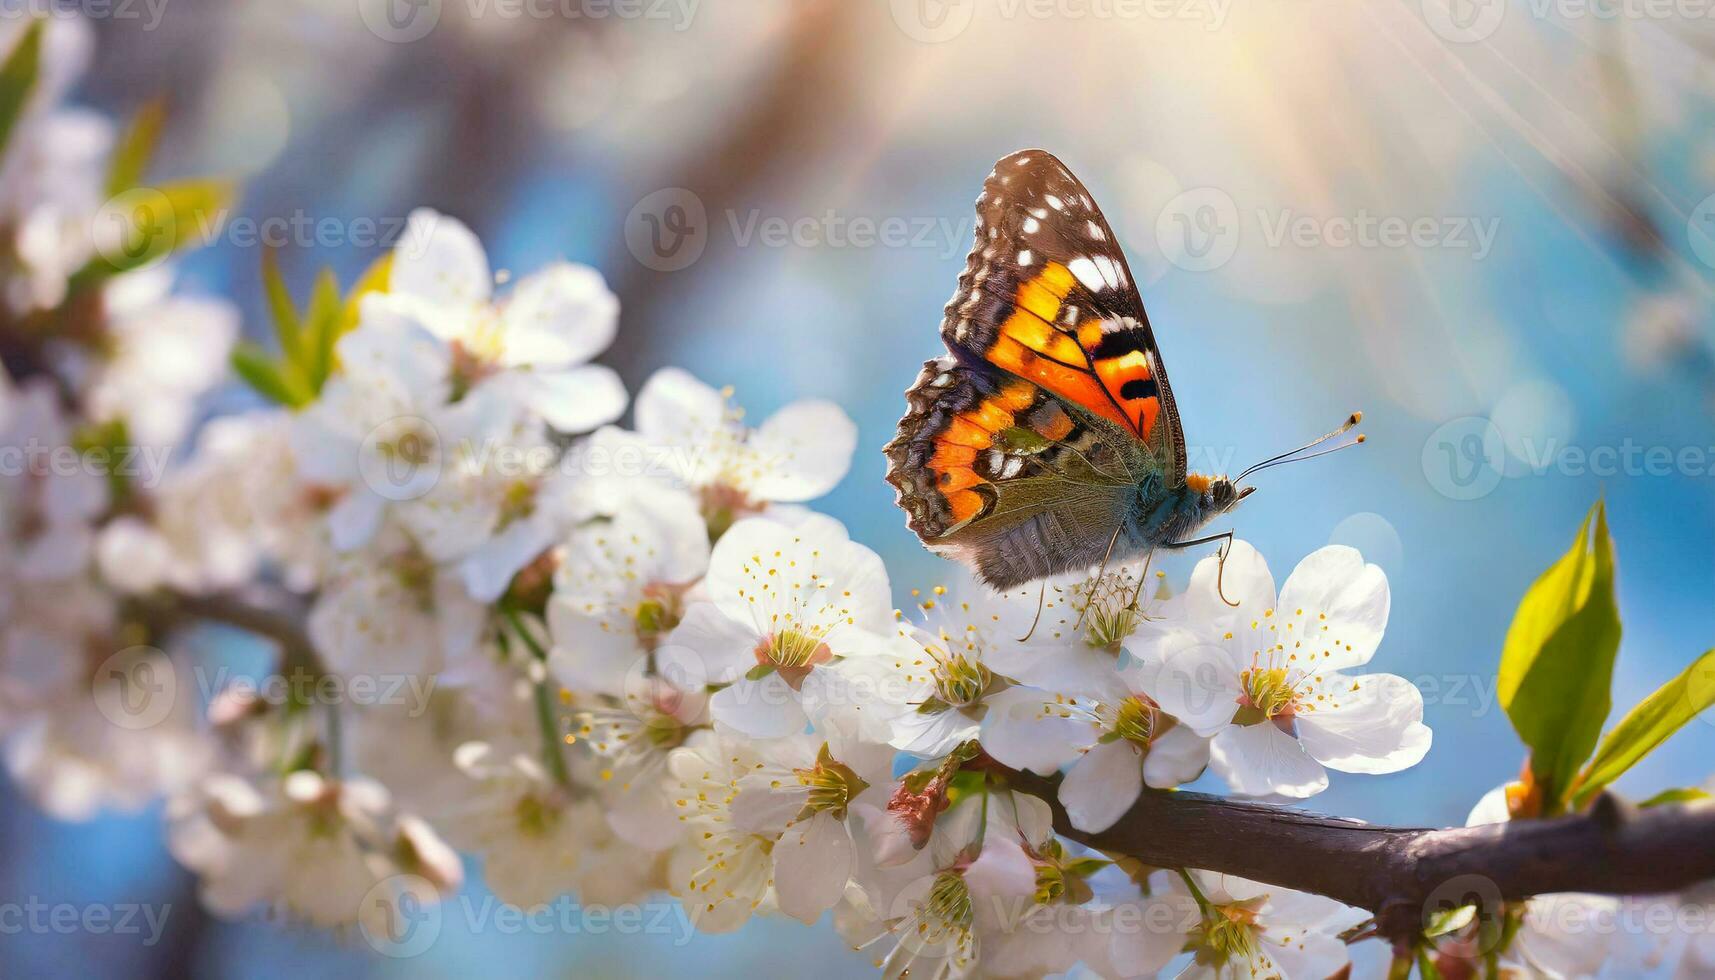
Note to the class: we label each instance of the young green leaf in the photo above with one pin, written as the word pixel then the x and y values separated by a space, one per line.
pixel 1558 659
pixel 1686 794
pixel 1648 725
pixel 136 148
pixel 287 328
pixel 321 328
pixel 145 224
pixel 264 376
pixel 18 78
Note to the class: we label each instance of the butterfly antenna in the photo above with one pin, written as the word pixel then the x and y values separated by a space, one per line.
pixel 1294 455
pixel 1041 596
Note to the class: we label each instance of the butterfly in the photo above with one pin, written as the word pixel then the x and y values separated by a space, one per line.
pixel 1046 438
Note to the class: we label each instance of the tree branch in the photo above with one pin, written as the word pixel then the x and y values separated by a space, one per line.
pixel 1400 874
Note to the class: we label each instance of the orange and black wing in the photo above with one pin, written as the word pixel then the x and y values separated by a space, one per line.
pixel 1024 447
pixel 1047 296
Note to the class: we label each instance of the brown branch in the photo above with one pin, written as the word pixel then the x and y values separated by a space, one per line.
pixel 1399 873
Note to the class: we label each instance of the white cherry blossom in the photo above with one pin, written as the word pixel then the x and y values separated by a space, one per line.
pixel 539 337
pixel 797 454
pixel 1264 677
pixel 788 610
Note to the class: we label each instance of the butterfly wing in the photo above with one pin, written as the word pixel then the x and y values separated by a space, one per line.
pixel 1047 295
pixel 1000 473
pixel 1024 447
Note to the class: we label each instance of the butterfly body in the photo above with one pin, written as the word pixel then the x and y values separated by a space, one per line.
pixel 1046 438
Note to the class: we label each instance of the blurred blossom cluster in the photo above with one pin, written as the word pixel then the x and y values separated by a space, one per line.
pixel 638 660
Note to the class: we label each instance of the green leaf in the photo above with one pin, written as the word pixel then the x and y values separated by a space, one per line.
pixel 1688 794
pixel 288 330
pixel 1558 659
pixel 145 224
pixel 136 148
pixel 322 328
pixel 1648 725
pixel 1449 920
pixel 263 375
pixel 18 78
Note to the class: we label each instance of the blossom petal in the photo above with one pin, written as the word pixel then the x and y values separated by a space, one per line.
pixel 1018 733
pixel 812 863
pixel 1178 756
pixel 560 316
pixel 576 399
pixel 725 645
pixel 766 708
pixel 1102 785
pixel 1336 583
pixel 1258 760
pixel 676 409
pixel 1370 724
pixel 804 450
pixel 439 261
pixel 1197 683
pixel 1244 579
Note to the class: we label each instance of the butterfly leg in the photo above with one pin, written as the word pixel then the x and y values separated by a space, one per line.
pixel 1220 575
pixel 1041 596
pixel 1142 577
pixel 1103 570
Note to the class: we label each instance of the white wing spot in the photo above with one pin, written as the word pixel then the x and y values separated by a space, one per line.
pixel 1087 273
pixel 1025 258
pixel 1054 202
pixel 1032 226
